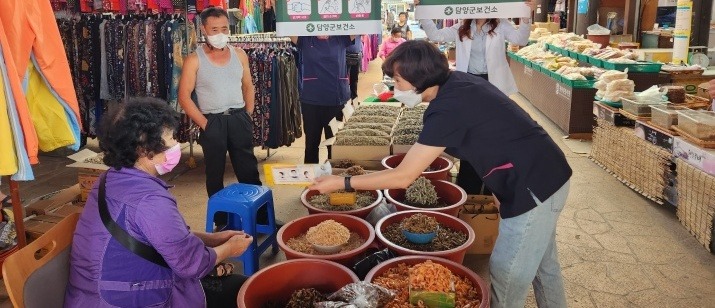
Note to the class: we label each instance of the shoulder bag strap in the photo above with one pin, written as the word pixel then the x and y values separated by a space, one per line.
pixel 122 236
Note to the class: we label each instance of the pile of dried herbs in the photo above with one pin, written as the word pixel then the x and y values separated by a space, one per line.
pixel 419 223
pixel 422 193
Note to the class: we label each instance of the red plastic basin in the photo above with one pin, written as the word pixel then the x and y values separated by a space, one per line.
pixel 276 283
pixel 456 269
pixel 448 192
pixel 441 165
pixel 301 225
pixel 456 254
pixel 362 213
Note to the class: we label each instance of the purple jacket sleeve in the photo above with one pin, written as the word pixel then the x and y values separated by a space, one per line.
pixel 163 226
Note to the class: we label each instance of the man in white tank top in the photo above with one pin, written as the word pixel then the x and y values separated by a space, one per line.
pixel 220 75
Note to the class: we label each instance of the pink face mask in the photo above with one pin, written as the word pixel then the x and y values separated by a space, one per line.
pixel 173 156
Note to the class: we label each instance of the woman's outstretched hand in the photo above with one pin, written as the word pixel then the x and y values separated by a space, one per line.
pixel 327 184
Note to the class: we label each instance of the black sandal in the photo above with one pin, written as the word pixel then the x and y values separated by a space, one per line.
pixel 222 270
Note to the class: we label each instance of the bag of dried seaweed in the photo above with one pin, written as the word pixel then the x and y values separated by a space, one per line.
pixel 359 295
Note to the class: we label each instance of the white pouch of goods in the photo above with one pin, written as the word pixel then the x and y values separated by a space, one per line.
pixel 574 76
pixel 612 75
pixel 601 93
pixel 621 85
pixel 600 85
pixel 616 96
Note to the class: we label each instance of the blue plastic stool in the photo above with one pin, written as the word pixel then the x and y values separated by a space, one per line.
pixel 241 202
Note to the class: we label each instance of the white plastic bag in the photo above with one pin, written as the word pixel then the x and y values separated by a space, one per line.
pixel 381 210
pixel 653 93
pixel 380 88
pixel 598 30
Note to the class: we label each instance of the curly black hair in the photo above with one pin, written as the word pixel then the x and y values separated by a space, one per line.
pixel 133 129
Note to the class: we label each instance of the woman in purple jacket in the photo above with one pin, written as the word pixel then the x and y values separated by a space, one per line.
pixel 138 145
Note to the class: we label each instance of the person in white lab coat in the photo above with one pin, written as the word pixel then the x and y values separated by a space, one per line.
pixel 482 41
pixel 481 51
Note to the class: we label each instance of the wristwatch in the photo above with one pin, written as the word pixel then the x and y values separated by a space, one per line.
pixel 348 188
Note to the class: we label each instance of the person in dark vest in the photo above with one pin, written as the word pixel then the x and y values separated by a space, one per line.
pixel 471 119
pixel 326 87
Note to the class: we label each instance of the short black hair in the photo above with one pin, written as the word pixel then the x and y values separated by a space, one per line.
pixel 212 11
pixel 396 30
pixel 134 129
pixel 404 13
pixel 418 62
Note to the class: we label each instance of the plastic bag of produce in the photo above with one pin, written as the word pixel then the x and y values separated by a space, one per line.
pixel 381 210
pixel 364 266
pixel 598 30
pixel 359 295
pixel 433 299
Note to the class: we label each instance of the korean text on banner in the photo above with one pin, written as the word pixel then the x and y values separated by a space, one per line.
pixel 459 9
pixel 681 35
pixel 327 17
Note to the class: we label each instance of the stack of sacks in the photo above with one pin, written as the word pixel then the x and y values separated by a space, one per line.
pixel 614 85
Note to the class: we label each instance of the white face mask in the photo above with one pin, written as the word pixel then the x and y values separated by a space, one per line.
pixel 410 98
pixel 218 40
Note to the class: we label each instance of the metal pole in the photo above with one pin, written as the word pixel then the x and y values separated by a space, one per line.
pixel 18 212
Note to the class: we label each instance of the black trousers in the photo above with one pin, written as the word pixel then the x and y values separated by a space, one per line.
pixel 354 71
pixel 467 178
pixel 222 291
pixel 232 133
pixel 315 122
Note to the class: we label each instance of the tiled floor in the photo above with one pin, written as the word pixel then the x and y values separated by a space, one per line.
pixel 617 249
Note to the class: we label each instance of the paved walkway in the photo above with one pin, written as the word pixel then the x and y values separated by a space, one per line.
pixel 617 249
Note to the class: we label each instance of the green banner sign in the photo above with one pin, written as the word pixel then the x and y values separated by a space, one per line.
pixel 327 17
pixel 460 9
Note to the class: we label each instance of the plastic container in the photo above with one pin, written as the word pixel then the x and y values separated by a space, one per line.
pixel 362 213
pixel 700 124
pixel 457 269
pixel 639 108
pixel 579 84
pixel 456 254
pixel 301 225
pixel 665 115
pixel 441 166
pixel 595 62
pixel 604 40
pixel 581 57
pixel 277 282
pixel 640 67
pixel 419 238
pixel 448 192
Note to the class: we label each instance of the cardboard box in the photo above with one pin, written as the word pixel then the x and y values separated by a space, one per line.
pixel 374 165
pixel 654 135
pixel 703 159
pixel 611 115
pixel 703 90
pixel 65 196
pixel 69 209
pixel 88 172
pixel 361 153
pixel 690 82
pixel 482 215
pixel 36 228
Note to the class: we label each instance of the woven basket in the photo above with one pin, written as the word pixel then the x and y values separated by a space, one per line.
pixel 696 202
pixel 637 163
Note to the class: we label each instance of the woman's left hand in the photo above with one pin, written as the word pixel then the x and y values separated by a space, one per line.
pixel 327 184
pixel 531 4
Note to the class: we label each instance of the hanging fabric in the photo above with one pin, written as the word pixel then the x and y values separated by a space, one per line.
pixel 51 97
